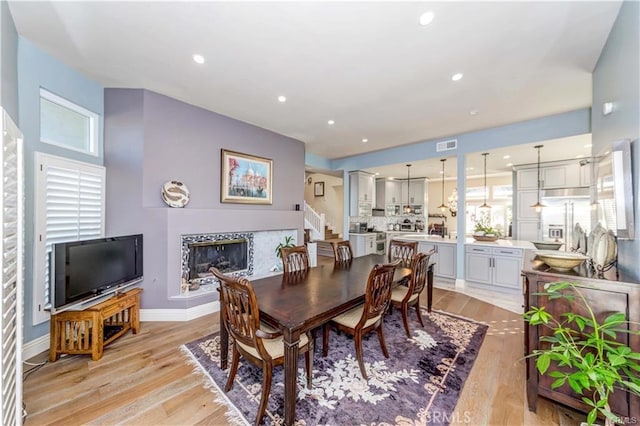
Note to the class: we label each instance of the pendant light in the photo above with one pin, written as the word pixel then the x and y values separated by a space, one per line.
pixel 484 204
pixel 407 209
pixel 538 206
pixel 443 206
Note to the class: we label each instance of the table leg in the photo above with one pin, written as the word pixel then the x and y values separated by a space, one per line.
pixel 429 287
pixel 291 351
pixel 224 341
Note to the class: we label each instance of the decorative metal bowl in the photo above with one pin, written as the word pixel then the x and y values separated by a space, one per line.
pixel 561 260
pixel 547 245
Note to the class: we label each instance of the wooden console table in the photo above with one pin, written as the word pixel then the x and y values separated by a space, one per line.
pixel 605 297
pixel 90 330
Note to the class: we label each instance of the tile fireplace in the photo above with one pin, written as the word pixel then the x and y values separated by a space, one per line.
pixel 231 253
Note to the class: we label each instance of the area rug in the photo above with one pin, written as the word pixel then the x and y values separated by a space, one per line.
pixel 419 383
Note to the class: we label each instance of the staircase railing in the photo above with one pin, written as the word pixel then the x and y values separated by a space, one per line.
pixel 314 221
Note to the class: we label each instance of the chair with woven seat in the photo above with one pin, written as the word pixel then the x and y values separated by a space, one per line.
pixel 402 297
pixel 403 250
pixel 294 259
pixel 342 252
pixel 367 317
pixel 256 342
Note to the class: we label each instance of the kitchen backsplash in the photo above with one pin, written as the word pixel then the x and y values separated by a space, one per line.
pixel 380 222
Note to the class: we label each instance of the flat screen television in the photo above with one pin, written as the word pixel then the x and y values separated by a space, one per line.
pixel 83 271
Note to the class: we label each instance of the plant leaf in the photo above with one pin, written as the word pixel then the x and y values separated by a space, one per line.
pixel 542 363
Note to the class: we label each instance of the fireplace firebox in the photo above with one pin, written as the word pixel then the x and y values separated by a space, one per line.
pixel 230 253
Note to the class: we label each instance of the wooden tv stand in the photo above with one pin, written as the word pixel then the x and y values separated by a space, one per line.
pixel 90 330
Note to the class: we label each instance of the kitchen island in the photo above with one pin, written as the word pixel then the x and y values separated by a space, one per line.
pixel 492 265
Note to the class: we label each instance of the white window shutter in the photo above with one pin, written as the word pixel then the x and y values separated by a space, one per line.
pixel 11 185
pixel 69 207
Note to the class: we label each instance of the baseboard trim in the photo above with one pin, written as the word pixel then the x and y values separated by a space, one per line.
pixel 179 314
pixel 35 346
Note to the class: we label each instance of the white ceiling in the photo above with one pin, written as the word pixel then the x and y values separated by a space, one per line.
pixel 367 65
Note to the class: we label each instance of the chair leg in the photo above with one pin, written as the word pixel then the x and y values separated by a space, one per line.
pixel 418 313
pixel 234 368
pixel 325 340
pixel 308 358
pixel 383 345
pixel 357 338
pixel 267 371
pixel 405 320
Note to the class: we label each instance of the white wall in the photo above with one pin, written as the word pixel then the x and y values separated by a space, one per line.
pixel 331 204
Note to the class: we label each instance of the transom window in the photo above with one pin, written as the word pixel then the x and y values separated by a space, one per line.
pixel 65 124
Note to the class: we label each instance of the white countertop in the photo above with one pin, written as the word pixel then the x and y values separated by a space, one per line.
pixel 437 239
pixel 425 237
pixel 502 243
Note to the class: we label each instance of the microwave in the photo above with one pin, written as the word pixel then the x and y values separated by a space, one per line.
pixel 358 227
pixel 407 227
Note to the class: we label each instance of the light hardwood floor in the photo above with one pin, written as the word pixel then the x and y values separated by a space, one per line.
pixel 144 379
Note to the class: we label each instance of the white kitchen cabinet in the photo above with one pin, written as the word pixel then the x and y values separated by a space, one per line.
pixel 414 190
pixel 567 175
pixel 444 258
pixel 525 200
pixel 361 193
pixel 495 266
pixel 529 230
pixel 362 244
pixel 527 179
pixel 387 193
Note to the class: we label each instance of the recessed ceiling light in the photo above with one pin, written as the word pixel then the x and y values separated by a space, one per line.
pixel 509 164
pixel 377 173
pixel 198 59
pixel 579 156
pixel 282 98
pixel 391 178
pixel 426 18
pixel 441 172
pixel 469 168
pixel 506 157
pixel 456 77
pixel 331 122
pixel 365 140
pixel 588 145
pixel 473 112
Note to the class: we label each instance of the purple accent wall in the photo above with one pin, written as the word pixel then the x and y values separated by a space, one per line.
pixel 150 139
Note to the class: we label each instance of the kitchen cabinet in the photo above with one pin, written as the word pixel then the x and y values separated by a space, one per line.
pixel 525 200
pixel 444 258
pixel 362 244
pixel 495 266
pixel 414 189
pixel 527 179
pixel 529 230
pixel 361 193
pixel 388 193
pixel 561 175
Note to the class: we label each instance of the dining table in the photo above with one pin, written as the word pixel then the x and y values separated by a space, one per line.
pixel 298 302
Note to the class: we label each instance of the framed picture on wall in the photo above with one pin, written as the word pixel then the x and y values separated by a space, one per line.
pixel 245 178
pixel 318 189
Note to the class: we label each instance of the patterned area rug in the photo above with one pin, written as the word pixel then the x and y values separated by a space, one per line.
pixel 419 383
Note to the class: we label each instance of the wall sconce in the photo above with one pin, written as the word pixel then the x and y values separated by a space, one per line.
pixel 607 108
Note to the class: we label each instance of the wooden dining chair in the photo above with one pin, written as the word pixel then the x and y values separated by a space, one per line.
pixel 342 252
pixel 294 259
pixel 367 317
pixel 402 297
pixel 256 342
pixel 403 250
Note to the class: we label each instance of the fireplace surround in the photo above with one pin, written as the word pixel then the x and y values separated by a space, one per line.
pixel 232 253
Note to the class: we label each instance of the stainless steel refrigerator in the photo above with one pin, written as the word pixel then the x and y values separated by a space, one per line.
pixel 564 208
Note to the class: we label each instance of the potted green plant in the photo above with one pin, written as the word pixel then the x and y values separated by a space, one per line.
pixel 288 242
pixel 593 363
